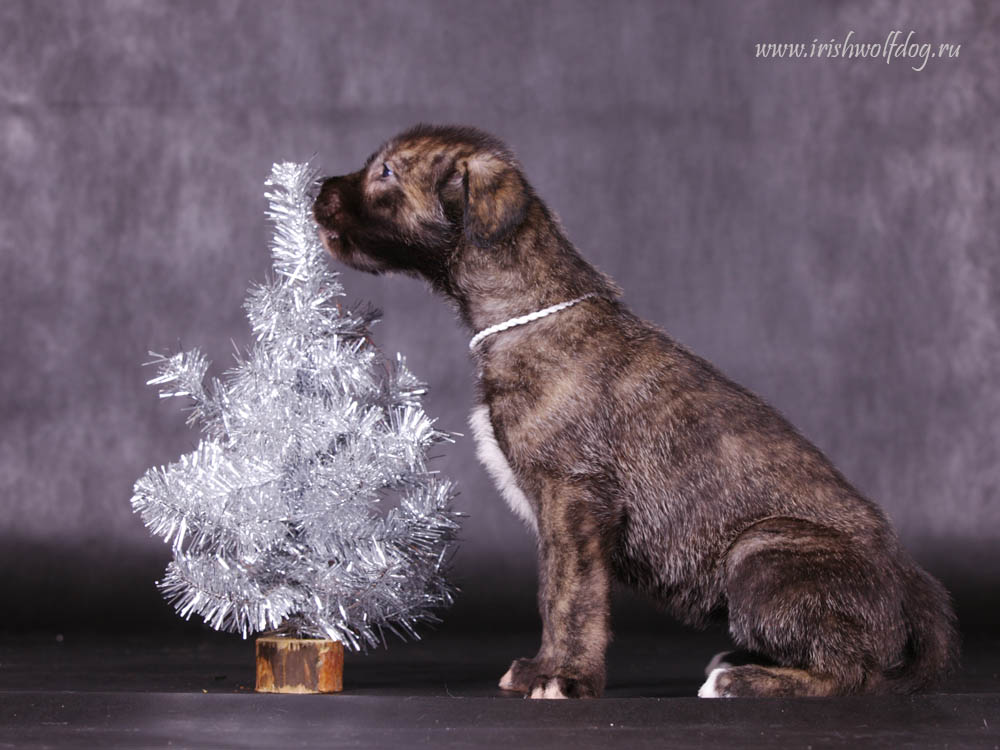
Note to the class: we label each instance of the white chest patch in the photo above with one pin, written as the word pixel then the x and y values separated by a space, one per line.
pixel 489 454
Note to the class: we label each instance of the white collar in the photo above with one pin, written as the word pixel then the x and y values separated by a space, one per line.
pixel 520 321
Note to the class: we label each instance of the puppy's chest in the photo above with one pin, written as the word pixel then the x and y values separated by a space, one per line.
pixel 492 457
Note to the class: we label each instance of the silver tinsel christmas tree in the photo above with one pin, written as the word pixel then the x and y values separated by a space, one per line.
pixel 276 519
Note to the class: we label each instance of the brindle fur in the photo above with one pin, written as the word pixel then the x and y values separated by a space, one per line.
pixel 641 461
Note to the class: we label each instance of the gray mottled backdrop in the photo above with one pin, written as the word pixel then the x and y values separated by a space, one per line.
pixel 825 230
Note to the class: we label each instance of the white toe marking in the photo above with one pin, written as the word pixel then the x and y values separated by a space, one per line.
pixel 711 689
pixel 507 681
pixel 549 690
pixel 718 662
pixel 552 690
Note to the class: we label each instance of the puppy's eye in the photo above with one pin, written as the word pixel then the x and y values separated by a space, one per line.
pixel 386 170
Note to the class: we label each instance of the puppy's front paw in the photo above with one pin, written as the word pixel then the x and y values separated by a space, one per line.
pixel 546 686
pixel 521 675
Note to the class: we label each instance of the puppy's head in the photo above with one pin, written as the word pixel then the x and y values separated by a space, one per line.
pixel 423 197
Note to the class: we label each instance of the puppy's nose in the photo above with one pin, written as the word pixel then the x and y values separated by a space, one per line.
pixel 327 203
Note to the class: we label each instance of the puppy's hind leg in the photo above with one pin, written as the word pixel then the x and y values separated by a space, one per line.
pixel 816 605
pixel 755 681
pixel 735 658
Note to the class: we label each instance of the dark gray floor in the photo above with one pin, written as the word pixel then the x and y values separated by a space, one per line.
pixel 196 690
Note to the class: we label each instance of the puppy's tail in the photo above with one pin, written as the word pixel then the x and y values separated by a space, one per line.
pixel 932 651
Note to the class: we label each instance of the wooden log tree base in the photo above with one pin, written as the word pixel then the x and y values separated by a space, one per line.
pixel 299 665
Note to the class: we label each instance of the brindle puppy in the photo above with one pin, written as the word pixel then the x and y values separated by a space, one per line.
pixel 633 458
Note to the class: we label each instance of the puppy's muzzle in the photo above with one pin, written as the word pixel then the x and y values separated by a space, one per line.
pixel 328 206
pixel 328 212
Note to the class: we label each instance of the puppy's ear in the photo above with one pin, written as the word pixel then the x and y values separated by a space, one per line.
pixel 494 197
